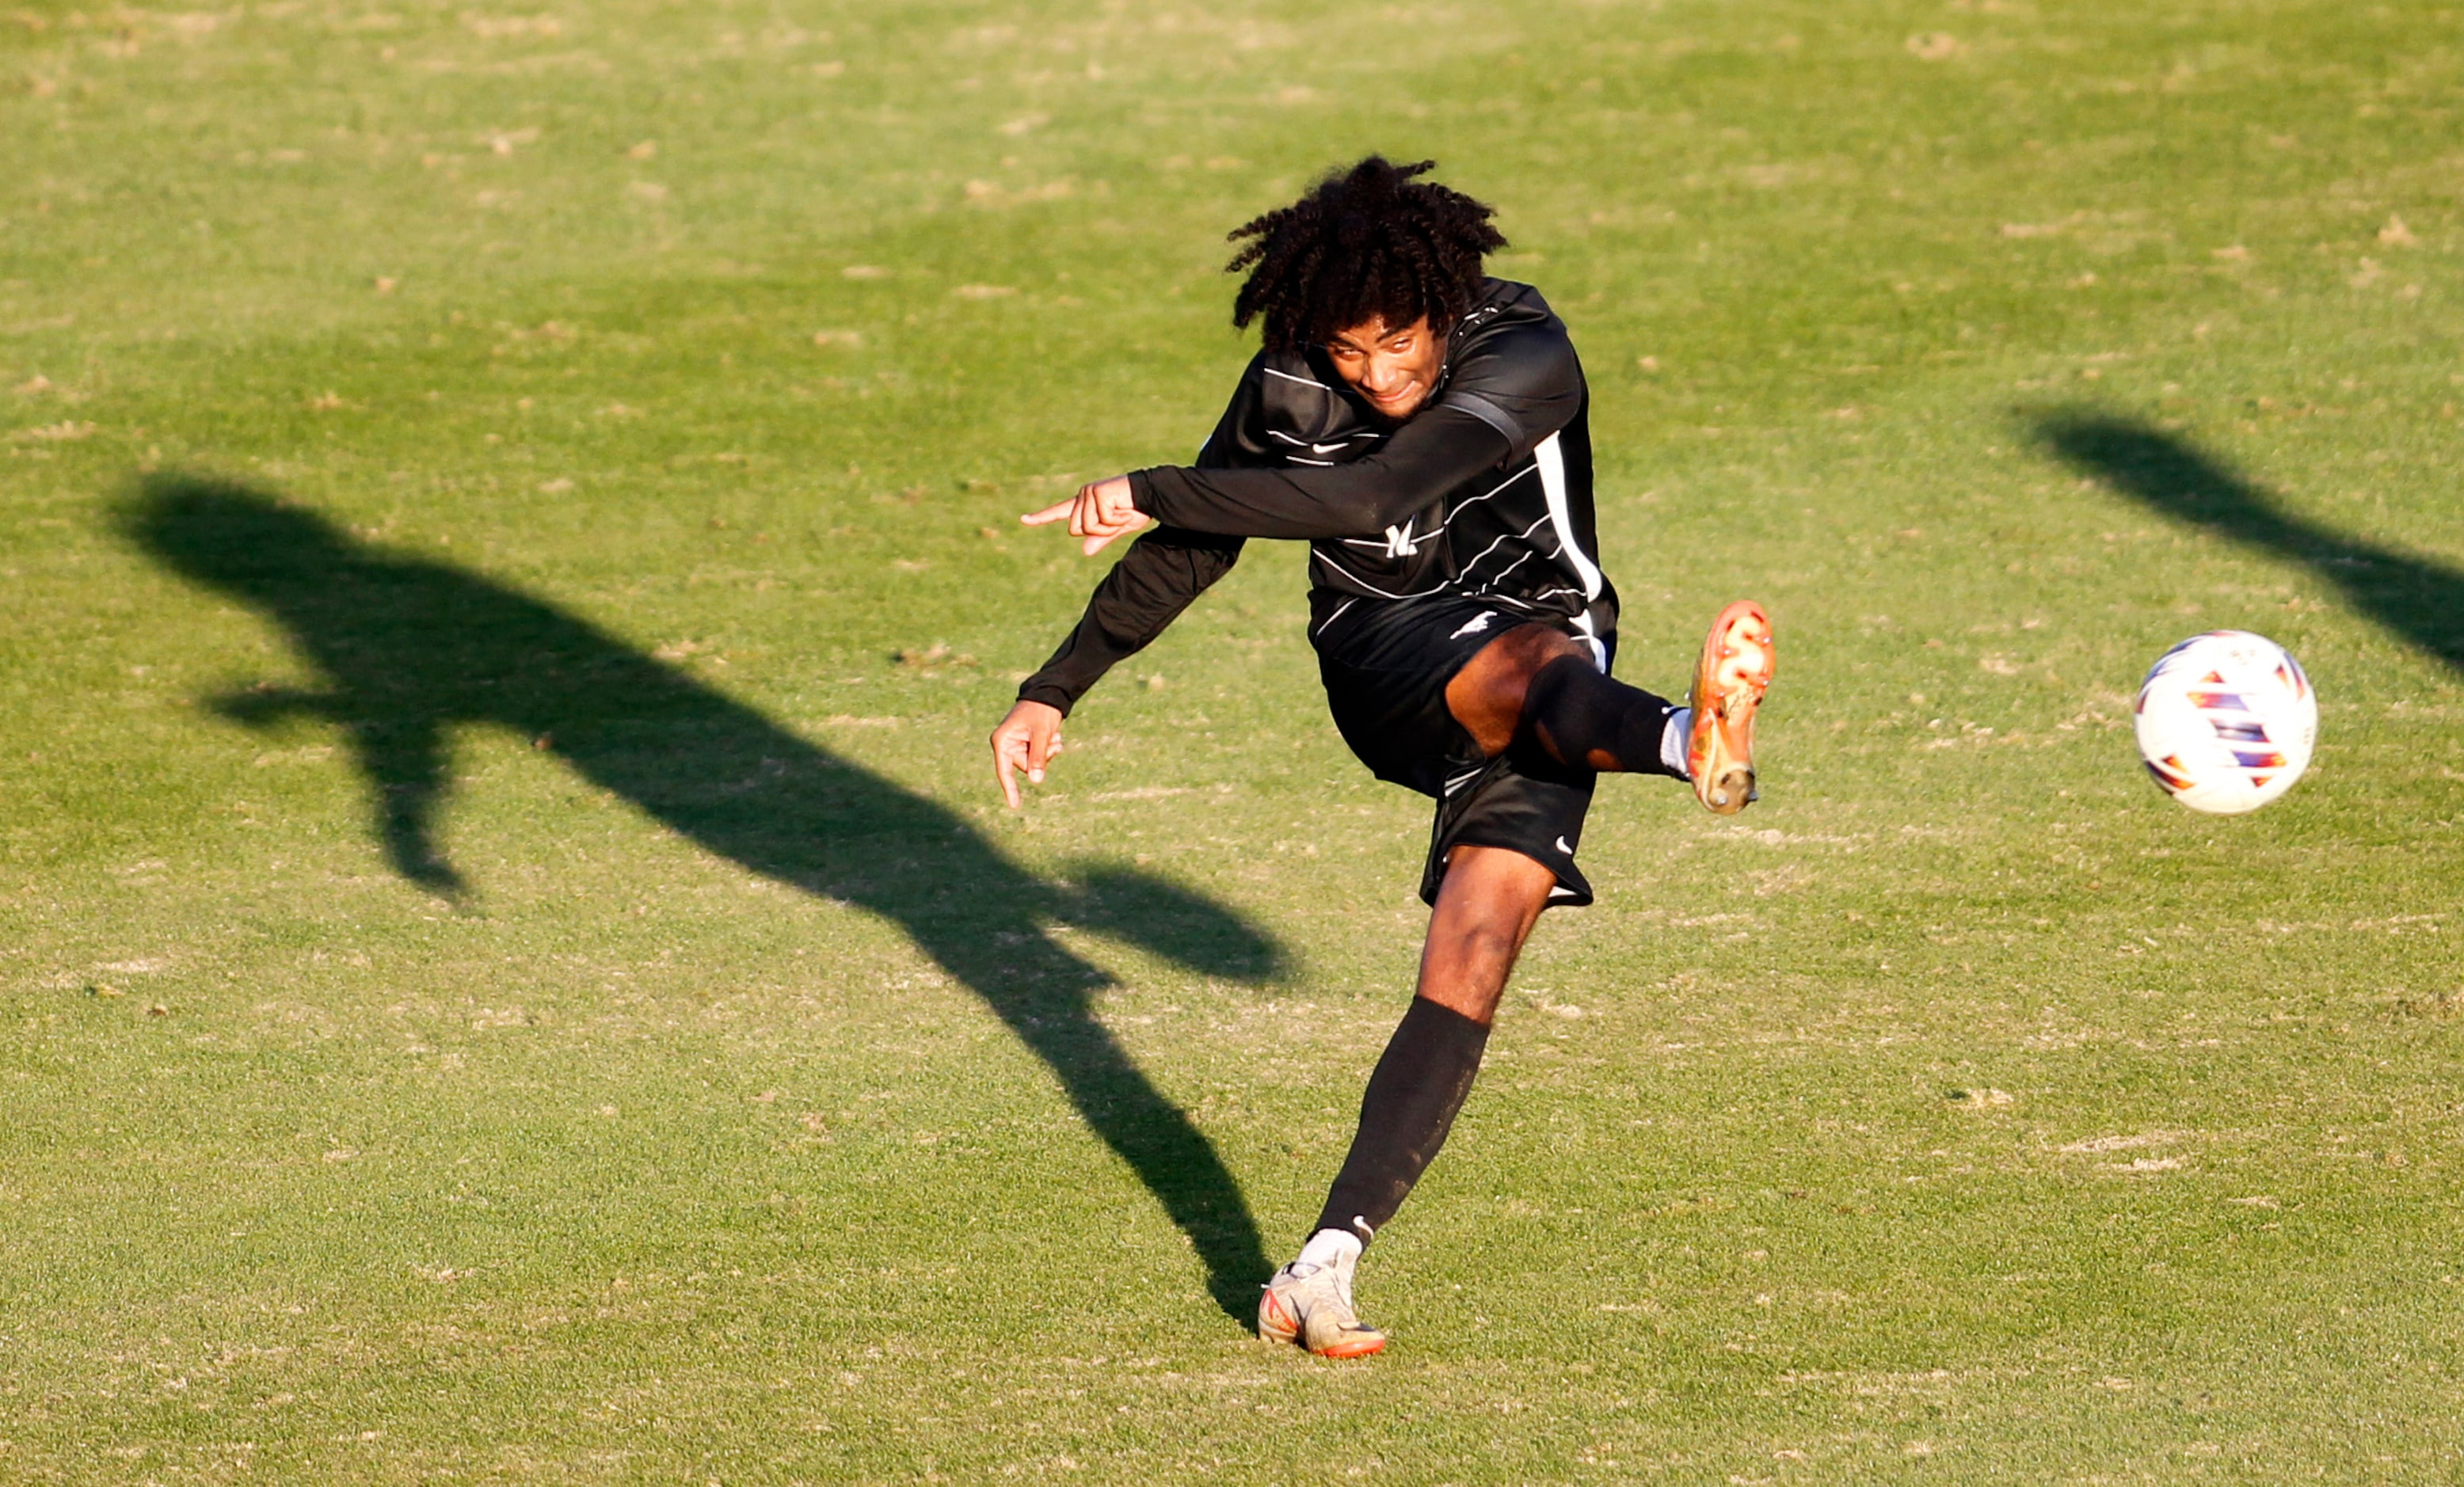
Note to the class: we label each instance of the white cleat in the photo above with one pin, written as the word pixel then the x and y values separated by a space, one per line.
pixel 1311 1305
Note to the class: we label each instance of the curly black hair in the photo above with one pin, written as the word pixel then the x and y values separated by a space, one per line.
pixel 1368 243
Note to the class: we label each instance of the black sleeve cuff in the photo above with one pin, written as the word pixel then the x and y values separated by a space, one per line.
pixel 1034 689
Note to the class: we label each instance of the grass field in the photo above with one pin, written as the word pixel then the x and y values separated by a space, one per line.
pixel 514 968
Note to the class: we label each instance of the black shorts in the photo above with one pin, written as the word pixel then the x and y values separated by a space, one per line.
pixel 1386 665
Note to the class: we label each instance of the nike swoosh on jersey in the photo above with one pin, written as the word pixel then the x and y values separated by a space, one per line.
pixel 1563 847
pixel 1474 626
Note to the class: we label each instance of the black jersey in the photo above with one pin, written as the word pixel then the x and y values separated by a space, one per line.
pixel 1486 491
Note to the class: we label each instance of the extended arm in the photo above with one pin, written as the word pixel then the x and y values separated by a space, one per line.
pixel 1425 458
pixel 1162 572
pixel 1154 581
pixel 1510 390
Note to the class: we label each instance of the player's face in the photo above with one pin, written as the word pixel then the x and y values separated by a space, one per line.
pixel 1394 367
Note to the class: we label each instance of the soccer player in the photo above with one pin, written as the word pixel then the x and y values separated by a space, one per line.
pixel 1424 428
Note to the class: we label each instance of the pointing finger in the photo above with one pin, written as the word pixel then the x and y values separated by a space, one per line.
pixel 1002 767
pixel 1055 511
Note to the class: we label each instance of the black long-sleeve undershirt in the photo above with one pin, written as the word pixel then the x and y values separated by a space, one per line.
pixel 1422 460
pixel 1163 571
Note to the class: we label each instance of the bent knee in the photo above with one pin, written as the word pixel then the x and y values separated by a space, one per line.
pixel 1488 695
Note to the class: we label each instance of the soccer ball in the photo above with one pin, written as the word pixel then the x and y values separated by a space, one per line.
pixel 2226 721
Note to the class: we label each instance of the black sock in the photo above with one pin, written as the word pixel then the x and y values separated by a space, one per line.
pixel 1420 1083
pixel 1582 717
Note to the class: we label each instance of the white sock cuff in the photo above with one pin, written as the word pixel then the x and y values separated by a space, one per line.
pixel 1330 1247
pixel 1673 738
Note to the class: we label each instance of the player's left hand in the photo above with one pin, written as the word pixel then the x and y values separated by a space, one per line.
pixel 1098 513
pixel 1025 740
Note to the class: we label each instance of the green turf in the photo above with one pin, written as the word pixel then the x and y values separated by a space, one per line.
pixel 594 432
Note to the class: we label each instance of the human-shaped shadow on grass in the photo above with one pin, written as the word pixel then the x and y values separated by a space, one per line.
pixel 2419 599
pixel 409 649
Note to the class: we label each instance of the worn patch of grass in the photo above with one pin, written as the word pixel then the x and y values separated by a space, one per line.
pixel 512 966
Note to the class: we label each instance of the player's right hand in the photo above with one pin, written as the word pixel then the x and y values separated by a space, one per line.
pixel 1101 511
pixel 1026 740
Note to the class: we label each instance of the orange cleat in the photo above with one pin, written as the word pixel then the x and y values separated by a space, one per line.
pixel 1730 681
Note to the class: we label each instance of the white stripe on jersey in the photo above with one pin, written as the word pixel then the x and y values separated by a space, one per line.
pixel 1553 480
pixel 1485 496
pixel 1465 577
pixel 1509 568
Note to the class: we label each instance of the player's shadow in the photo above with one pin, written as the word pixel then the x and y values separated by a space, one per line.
pixel 409 649
pixel 2419 599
